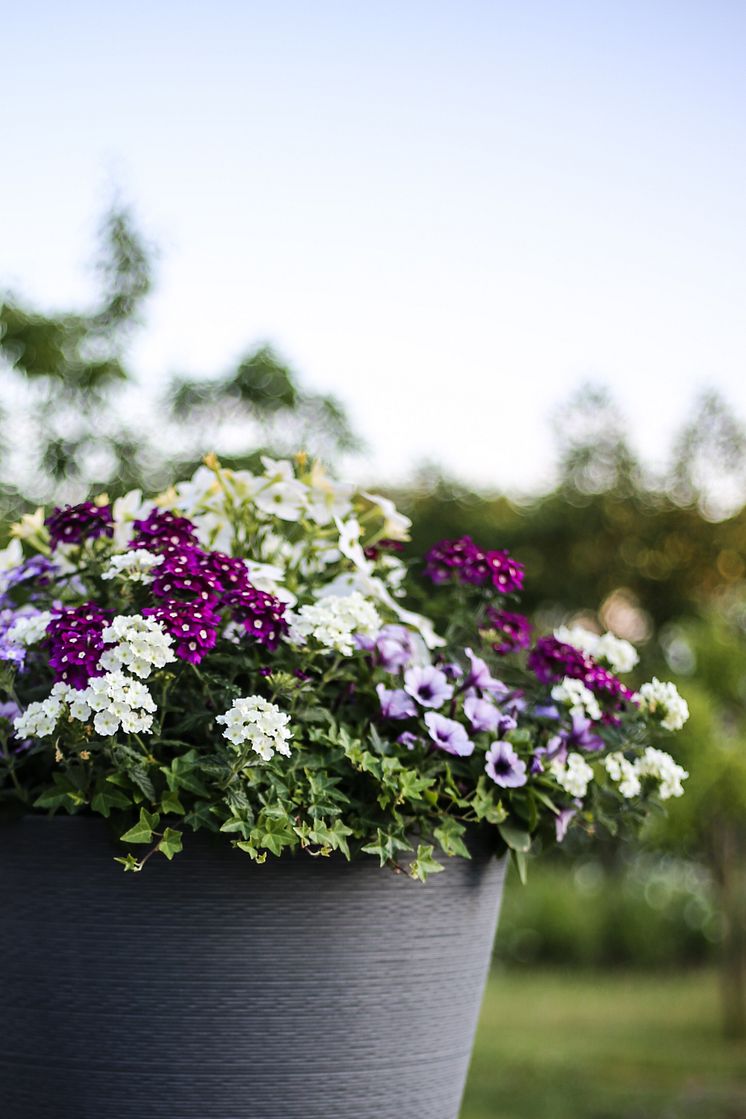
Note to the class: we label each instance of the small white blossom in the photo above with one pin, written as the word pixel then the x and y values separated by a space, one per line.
pixel 624 773
pixel 618 654
pixel 136 565
pixel 663 700
pixel 140 645
pixel 118 700
pixel 41 717
pixel 334 620
pixel 256 722
pixel 573 776
pixel 662 768
pixel 579 699
pixel 29 629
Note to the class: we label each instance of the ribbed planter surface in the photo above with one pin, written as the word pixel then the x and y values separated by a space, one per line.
pixel 213 988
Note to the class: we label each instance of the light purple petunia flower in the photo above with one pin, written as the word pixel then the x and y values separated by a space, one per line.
pixel 504 766
pixel 482 714
pixel 394 647
pixel 479 676
pixel 449 735
pixel 395 703
pixel 406 738
pixel 579 737
pixel 428 685
pixel 562 822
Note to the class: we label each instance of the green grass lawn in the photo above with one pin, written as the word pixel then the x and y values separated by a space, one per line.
pixel 554 1045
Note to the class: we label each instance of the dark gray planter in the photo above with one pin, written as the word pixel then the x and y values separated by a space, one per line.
pixel 212 988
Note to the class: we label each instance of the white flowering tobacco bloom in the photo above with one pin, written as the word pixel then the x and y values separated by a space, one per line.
pixel 579 699
pixel 136 566
pixel 607 648
pixel 662 768
pixel 334 621
pixel 624 774
pixel 662 700
pixel 140 645
pixel 29 629
pixel 573 775
pixel 256 722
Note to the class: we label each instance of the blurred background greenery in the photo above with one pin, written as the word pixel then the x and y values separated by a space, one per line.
pixel 619 988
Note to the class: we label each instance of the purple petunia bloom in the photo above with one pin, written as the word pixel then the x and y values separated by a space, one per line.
pixel 74 523
pixel 161 529
pixel 482 714
pixel 562 822
pixel 408 739
pixel 514 630
pixel 76 643
pixel 580 736
pixel 394 648
pixel 9 651
pixel 479 676
pixel 395 703
pixel 428 685
pixel 260 613
pixel 504 766
pixel 448 735
pixel 193 626
pixel 35 570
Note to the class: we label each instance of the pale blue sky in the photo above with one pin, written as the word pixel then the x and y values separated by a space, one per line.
pixel 450 214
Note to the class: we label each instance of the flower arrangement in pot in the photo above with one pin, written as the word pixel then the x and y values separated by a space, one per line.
pixel 225 689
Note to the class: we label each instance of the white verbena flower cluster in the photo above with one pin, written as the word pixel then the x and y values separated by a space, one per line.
pixel 333 622
pixel 115 700
pixel 573 775
pixel 256 722
pixel 656 764
pixel 579 699
pixel 662 699
pixel 136 565
pixel 29 629
pixel 140 645
pixel 618 654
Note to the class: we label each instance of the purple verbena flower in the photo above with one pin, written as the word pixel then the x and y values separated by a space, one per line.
pixel 75 641
pixel 185 573
pixel 261 614
pixel 193 626
pixel 395 703
pixel 428 685
pixel 74 523
pixel 551 660
pixel 469 563
pixel 504 766
pixel 35 570
pixel 162 528
pixel 448 735
pixel 514 630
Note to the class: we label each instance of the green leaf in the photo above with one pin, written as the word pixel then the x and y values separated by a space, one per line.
pixel 129 862
pixel 182 774
pixel 142 832
pixel 64 794
pixel 107 796
pixel 449 836
pixel 521 863
pixel 386 846
pixel 424 863
pixel 170 803
pixel 170 843
pixel 516 838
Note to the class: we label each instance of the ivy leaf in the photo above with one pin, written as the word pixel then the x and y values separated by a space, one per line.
pixel 129 862
pixel 424 863
pixel 108 796
pixel 170 803
pixel 64 794
pixel 142 832
pixel 449 836
pixel 484 804
pixel 273 833
pixel 182 774
pixel 170 843
pixel 386 846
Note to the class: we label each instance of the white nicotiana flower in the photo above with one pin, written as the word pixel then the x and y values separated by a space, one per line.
pixel 349 543
pixel 136 565
pixel 29 629
pixel 11 556
pixel 573 776
pixel 327 500
pixel 30 524
pixel 334 620
pixel 662 768
pixel 256 722
pixel 579 699
pixel 283 499
pixel 662 699
pixel 617 653
pixel 125 511
pixel 119 701
pixel 395 525
pixel 140 645
pixel 624 773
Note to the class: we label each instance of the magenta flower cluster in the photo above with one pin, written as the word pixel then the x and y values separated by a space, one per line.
pixel 465 561
pixel 551 660
pixel 75 523
pixel 513 630
pixel 76 643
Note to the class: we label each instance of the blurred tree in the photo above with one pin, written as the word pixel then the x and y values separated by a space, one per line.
pixel 72 418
